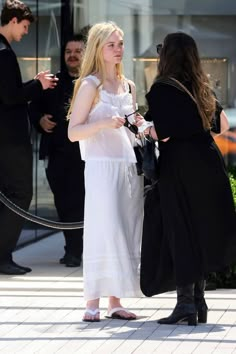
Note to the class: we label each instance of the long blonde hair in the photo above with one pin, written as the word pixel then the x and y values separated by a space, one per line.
pixel 93 59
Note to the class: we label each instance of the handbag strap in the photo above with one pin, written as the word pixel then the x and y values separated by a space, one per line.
pixel 184 88
pixel 176 83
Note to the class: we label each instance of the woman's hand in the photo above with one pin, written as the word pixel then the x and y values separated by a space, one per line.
pixel 139 120
pixel 151 131
pixel 113 123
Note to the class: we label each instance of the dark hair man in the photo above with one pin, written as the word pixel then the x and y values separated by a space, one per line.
pixel 15 144
pixel 64 167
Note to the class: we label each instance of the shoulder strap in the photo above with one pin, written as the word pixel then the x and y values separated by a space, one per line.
pixel 176 83
pixel 129 88
pixel 127 85
pixel 184 88
pixel 94 79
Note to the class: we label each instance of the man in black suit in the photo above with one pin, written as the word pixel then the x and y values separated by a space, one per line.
pixel 15 144
pixel 63 165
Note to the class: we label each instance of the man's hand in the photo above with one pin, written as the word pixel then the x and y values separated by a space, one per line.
pixel 47 80
pixel 46 123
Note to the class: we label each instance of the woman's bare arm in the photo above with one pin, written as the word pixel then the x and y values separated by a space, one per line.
pixel 78 128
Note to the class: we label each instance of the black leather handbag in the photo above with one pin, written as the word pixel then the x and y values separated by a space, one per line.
pixel 149 165
pixel 147 159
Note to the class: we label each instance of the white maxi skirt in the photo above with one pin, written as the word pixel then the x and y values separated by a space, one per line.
pixel 113 222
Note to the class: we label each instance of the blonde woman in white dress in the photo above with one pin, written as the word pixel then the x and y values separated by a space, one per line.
pixel 114 192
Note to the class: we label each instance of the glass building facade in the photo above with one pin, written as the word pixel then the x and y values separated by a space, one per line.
pixel 212 23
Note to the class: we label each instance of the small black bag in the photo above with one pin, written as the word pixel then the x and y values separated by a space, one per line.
pixel 139 158
pixel 147 159
pixel 150 160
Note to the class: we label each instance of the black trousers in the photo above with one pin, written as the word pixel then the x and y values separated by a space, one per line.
pixel 65 175
pixel 16 184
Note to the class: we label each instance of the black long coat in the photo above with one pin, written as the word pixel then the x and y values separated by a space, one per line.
pixel 15 146
pixel 14 98
pixel 190 220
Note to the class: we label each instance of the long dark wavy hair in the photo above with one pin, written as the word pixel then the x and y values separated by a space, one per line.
pixel 179 58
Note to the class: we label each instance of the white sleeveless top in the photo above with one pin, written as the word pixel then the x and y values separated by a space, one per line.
pixel 110 144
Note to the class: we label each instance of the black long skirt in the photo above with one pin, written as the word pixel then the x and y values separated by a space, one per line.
pixel 190 221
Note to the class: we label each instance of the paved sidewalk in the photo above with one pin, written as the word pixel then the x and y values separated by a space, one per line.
pixel 41 313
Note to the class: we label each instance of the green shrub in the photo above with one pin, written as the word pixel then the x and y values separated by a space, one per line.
pixel 232 178
pixel 227 278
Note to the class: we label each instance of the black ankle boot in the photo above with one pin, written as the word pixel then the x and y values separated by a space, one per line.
pixel 185 309
pixel 200 302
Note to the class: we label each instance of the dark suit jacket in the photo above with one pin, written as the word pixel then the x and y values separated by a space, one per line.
pixel 55 102
pixel 14 95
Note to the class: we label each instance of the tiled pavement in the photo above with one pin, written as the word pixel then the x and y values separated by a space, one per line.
pixel 41 313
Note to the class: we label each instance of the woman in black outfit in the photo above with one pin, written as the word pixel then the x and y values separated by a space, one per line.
pixel 196 233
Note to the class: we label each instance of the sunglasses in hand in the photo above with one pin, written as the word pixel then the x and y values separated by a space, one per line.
pixel 133 128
